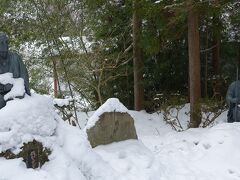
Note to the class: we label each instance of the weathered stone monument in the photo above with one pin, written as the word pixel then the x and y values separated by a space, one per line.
pixel 11 62
pixel 110 123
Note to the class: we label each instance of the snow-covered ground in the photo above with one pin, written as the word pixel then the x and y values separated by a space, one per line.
pixel 160 153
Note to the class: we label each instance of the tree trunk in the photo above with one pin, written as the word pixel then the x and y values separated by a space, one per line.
pixel 216 42
pixel 238 55
pixel 216 67
pixel 137 59
pixel 194 68
pixel 206 67
pixel 55 79
pixel 216 54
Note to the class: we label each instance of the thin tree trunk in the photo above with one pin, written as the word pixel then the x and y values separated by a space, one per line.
pixel 216 54
pixel 55 79
pixel 206 66
pixel 194 68
pixel 216 42
pixel 238 54
pixel 137 59
pixel 216 67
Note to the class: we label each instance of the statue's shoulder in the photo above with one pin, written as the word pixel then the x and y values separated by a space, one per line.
pixel 14 54
pixel 234 84
pixel 14 57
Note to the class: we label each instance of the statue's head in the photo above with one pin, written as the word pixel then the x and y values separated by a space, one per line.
pixel 3 45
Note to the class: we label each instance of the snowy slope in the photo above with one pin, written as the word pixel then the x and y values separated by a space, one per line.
pixel 72 158
pixel 163 154
pixel 159 154
pixel 196 154
pixel 201 154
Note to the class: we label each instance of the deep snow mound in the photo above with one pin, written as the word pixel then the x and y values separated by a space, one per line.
pixel 23 120
pixel 71 158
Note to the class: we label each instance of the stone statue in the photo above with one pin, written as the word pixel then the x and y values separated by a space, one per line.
pixel 11 62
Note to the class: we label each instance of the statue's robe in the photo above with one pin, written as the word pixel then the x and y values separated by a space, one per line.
pixel 15 65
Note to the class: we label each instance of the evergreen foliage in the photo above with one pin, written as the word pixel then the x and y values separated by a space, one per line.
pixel 88 44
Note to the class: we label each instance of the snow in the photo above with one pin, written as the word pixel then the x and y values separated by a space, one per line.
pixel 156 2
pixel 18 88
pixel 201 153
pixel 61 102
pixel 23 120
pixel 195 154
pixel 72 157
pixel 160 153
pixel 111 105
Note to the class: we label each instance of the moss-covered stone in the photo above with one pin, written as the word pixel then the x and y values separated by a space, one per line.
pixel 33 154
pixel 8 155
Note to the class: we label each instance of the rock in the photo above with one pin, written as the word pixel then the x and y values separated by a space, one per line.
pixel 33 154
pixel 111 127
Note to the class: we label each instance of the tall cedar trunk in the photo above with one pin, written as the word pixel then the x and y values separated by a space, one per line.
pixel 194 68
pixel 137 59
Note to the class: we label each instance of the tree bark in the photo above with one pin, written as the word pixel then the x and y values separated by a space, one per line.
pixel 238 54
pixel 206 67
pixel 216 42
pixel 216 54
pixel 194 68
pixel 55 79
pixel 137 59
